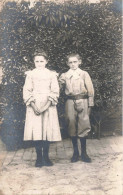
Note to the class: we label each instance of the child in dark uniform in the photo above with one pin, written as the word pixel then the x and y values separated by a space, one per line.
pixel 80 98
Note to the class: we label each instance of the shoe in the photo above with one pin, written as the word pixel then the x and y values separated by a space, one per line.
pixel 75 157
pixel 47 162
pixel 85 158
pixel 38 163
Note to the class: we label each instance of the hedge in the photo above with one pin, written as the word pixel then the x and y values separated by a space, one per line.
pixel 94 31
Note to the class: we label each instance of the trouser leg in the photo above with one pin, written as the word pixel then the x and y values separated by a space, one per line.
pixel 70 117
pixel 75 156
pixel 38 148
pixel 84 156
pixel 83 121
pixel 47 161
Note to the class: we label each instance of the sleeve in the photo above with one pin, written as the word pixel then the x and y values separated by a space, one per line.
pixel 90 89
pixel 28 89
pixel 54 93
pixel 61 80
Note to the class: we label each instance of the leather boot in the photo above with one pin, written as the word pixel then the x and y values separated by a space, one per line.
pixel 47 161
pixel 75 156
pixel 84 156
pixel 39 160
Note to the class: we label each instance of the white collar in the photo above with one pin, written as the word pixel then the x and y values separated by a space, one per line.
pixel 73 73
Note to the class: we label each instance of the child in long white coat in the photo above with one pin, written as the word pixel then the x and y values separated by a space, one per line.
pixel 40 94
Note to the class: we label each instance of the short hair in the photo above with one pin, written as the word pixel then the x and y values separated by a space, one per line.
pixel 74 55
pixel 40 53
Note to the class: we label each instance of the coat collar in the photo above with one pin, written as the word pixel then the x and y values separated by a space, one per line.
pixel 76 73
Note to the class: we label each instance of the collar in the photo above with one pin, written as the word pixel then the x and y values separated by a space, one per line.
pixel 73 73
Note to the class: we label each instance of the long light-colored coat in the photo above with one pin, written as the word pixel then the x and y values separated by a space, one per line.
pixel 41 86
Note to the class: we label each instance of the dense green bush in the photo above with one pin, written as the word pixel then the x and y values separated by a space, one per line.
pixel 94 31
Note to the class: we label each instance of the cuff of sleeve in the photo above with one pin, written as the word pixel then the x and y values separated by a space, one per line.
pixel 90 101
pixel 53 100
pixel 31 99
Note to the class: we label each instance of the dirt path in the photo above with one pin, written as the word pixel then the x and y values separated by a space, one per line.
pixel 104 176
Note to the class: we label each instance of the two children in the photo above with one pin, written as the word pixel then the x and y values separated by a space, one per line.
pixel 41 92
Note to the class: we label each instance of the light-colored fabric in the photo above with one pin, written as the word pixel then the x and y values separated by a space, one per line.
pixel 77 82
pixel 78 123
pixel 41 86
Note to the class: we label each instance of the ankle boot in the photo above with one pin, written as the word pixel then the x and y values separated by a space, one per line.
pixel 47 161
pixel 39 161
pixel 75 156
pixel 84 156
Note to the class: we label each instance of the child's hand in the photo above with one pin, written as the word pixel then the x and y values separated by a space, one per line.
pixel 35 109
pixel 45 107
pixel 42 109
pixel 78 105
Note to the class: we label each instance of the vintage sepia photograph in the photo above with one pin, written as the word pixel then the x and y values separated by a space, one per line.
pixel 61 97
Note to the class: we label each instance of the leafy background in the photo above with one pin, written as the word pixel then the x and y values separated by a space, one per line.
pixel 92 30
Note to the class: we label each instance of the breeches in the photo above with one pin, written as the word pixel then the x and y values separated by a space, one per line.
pixel 78 123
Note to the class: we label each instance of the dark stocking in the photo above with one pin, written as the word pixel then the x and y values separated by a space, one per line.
pixel 84 156
pixel 75 156
pixel 38 147
pixel 47 161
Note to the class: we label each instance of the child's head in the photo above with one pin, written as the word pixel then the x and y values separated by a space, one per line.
pixel 40 59
pixel 73 61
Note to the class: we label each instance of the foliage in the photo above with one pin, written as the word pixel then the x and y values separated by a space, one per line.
pixel 94 31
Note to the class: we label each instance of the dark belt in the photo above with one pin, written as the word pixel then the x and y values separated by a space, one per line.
pixel 77 97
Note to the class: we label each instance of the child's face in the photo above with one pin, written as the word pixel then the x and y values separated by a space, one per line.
pixel 73 63
pixel 40 62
